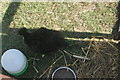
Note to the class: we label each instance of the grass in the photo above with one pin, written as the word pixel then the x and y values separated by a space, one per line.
pixel 75 20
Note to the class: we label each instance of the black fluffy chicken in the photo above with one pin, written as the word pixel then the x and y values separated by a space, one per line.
pixel 43 40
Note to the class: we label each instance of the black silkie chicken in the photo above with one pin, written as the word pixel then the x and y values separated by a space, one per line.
pixel 43 40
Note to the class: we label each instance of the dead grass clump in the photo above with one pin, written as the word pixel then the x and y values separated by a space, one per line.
pixel 103 62
pixel 99 59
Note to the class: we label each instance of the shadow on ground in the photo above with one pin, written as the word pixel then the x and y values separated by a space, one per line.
pixel 116 28
pixel 13 40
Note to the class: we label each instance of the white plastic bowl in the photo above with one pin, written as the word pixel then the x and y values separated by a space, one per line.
pixel 14 62
pixel 61 68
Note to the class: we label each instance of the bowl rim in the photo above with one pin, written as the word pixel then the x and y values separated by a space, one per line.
pixel 23 69
pixel 63 68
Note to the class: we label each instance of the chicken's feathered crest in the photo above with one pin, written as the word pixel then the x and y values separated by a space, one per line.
pixel 23 31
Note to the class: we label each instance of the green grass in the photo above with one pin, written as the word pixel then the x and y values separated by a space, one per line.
pixel 66 17
pixel 89 16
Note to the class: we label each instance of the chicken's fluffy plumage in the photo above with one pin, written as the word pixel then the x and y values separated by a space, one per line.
pixel 43 40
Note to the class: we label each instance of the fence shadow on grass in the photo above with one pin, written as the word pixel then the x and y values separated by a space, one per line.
pixel 116 28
